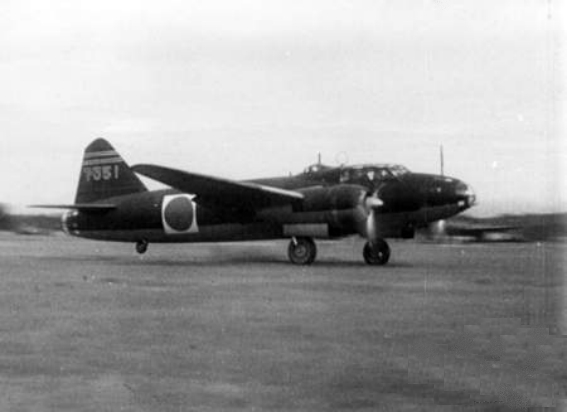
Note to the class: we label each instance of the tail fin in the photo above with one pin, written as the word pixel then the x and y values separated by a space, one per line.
pixel 105 174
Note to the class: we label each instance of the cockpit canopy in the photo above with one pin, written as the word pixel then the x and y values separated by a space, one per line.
pixel 366 175
pixel 372 173
pixel 379 169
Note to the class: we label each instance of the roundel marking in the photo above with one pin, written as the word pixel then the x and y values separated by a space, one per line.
pixel 178 213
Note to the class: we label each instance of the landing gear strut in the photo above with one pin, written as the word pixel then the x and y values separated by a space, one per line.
pixel 376 252
pixel 141 246
pixel 302 250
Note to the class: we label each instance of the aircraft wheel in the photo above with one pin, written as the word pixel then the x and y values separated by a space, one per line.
pixel 141 246
pixel 302 250
pixel 376 252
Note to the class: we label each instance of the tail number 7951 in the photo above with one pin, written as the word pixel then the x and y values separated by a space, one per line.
pixel 104 172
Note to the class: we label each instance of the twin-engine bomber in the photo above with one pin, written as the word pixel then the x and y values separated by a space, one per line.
pixel 376 201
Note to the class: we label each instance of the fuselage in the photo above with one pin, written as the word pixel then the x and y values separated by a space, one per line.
pixel 333 207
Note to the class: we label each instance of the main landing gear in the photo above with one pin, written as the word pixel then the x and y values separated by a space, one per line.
pixel 141 246
pixel 302 250
pixel 376 252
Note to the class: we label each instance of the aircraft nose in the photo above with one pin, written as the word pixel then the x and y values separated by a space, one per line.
pixel 465 194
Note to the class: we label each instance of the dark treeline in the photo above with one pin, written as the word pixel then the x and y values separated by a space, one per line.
pixel 28 224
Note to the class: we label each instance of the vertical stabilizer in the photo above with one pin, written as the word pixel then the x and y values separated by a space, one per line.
pixel 105 174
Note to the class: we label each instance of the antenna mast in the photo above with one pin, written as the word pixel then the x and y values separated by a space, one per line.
pixel 442 160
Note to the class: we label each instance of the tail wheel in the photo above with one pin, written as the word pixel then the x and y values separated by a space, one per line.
pixel 302 251
pixel 141 246
pixel 376 252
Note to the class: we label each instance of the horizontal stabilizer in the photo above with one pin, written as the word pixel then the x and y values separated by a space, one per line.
pixel 85 207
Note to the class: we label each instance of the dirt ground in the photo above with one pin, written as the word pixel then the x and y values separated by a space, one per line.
pixel 89 326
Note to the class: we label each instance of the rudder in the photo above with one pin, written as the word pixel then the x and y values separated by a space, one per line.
pixel 105 174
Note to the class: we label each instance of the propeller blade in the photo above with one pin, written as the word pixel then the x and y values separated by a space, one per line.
pixel 368 222
pixel 373 202
pixel 437 230
pixel 371 230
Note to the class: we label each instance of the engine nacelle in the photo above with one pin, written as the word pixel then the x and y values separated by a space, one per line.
pixel 325 212
pixel 339 197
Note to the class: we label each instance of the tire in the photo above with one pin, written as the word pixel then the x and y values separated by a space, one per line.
pixel 141 246
pixel 376 253
pixel 302 251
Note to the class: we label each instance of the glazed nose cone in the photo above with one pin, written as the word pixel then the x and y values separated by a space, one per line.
pixel 465 193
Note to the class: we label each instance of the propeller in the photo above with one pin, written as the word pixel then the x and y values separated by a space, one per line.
pixel 438 229
pixel 435 230
pixel 371 205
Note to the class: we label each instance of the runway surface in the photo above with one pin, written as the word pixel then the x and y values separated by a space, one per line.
pixel 89 326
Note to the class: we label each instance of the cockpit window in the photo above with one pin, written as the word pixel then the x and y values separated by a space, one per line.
pixel 398 170
pixel 311 169
pixel 383 173
pixel 315 168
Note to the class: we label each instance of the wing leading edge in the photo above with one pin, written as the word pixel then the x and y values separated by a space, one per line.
pixel 217 192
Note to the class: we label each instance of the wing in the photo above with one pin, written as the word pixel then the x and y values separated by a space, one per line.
pixel 215 192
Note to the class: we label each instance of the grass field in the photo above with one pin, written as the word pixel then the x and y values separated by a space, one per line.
pixel 91 326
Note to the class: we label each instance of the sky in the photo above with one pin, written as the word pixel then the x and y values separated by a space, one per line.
pixel 256 88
